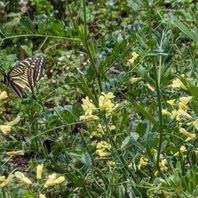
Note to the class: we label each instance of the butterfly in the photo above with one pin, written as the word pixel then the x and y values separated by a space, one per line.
pixel 25 74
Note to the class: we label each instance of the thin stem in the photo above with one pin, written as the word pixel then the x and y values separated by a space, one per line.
pixel 70 14
pixel 88 48
pixel 160 114
pixel 157 84
pixel 149 19
pixel 37 35
pixel 42 44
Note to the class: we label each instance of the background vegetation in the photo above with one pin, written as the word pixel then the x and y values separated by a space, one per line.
pixel 142 142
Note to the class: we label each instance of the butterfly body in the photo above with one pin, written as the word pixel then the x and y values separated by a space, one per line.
pixel 25 74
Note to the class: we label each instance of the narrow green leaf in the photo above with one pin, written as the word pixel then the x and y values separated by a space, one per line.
pixel 85 88
pixel 190 87
pixel 142 111
pixel 193 35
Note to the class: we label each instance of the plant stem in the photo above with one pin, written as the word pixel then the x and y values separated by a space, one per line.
pixel 88 48
pixel 157 84
pixel 37 35
pixel 159 113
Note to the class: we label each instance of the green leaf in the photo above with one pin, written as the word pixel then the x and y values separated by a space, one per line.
pixel 185 29
pixel 115 55
pixel 27 196
pixel 27 50
pixel 85 88
pixel 190 87
pixel 27 23
pixel 142 111
pixel 125 119
pixel 86 159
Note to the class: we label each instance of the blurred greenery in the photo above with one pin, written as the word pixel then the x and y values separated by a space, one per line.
pixel 89 47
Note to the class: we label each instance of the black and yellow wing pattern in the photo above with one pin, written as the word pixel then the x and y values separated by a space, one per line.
pixel 24 75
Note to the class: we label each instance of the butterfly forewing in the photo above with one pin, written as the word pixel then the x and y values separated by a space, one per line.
pixel 25 74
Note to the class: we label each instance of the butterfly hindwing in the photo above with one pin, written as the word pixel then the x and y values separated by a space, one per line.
pixel 25 74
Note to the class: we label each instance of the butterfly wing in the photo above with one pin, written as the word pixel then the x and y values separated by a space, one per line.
pixel 25 74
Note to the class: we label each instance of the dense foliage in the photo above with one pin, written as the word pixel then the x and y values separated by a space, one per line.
pixel 115 114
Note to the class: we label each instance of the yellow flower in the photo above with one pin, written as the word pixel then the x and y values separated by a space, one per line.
pixel 98 133
pixel 52 176
pixel 165 112
pixel 5 181
pixel 3 95
pixel 190 136
pixel 88 106
pixel 176 83
pixel 42 196
pixel 183 149
pixel 171 102
pixel 183 101
pixel 102 149
pixel 110 163
pixel 100 129
pixel 39 171
pixel 105 102
pixel 2 178
pixel 19 175
pixel 103 145
pixel 7 128
pixel 195 124
pixel 150 87
pixel 52 180
pixel 112 127
pixel 60 180
pixel 177 114
pixel 133 58
pixel 143 162
pixel 49 183
pixel 162 165
pixel 102 153
pixel 135 80
pixel 88 117
pixel 15 153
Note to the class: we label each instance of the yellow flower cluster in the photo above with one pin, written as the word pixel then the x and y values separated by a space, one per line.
pixel 100 131
pixel 133 58
pixel 162 163
pixel 3 95
pixel 182 150
pixel 105 104
pixel 143 162
pixel 54 180
pixel 89 108
pixel 180 112
pixel 135 80
pixel 102 149
pixel 51 181
pixel 177 83
pixel 6 128
pixel 189 136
